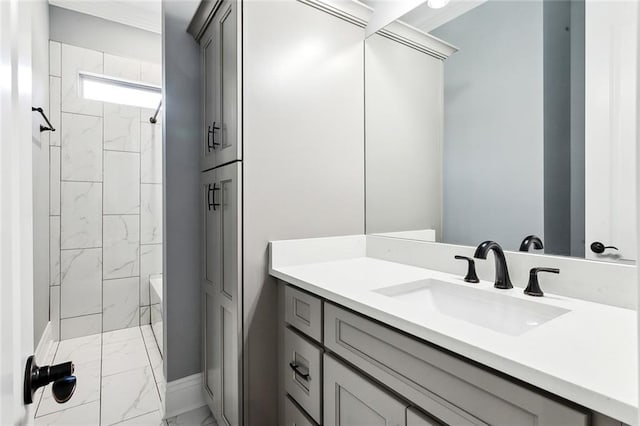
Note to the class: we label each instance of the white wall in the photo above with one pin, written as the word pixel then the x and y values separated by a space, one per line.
pixel 303 159
pixel 79 29
pixel 493 149
pixel 404 130
pixel 40 142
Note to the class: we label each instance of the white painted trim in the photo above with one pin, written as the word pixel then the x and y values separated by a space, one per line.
pixel 46 340
pixel 183 395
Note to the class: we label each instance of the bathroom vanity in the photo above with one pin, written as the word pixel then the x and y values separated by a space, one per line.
pixel 365 340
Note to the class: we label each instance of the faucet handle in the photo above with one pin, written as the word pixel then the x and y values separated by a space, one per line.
pixel 471 276
pixel 533 287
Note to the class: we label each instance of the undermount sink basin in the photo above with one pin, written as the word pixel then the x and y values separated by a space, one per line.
pixel 498 312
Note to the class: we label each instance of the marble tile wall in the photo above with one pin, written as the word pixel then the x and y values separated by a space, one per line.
pixel 106 198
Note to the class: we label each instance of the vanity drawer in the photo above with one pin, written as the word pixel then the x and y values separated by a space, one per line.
pixel 303 372
pixel 294 416
pixel 446 387
pixel 304 312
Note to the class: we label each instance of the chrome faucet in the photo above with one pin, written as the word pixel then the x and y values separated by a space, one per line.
pixel 502 274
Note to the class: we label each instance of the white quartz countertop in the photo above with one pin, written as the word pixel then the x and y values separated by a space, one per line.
pixel 587 355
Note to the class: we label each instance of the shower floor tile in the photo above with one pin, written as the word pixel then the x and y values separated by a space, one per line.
pixel 119 381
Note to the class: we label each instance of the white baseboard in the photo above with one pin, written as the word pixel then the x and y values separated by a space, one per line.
pixel 183 395
pixel 42 349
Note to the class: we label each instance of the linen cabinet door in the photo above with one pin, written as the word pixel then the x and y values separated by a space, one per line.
pixel 228 291
pixel 227 146
pixel 210 97
pixel 352 400
pixel 210 290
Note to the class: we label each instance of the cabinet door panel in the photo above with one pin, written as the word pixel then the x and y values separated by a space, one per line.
pixel 450 389
pixel 211 362
pixel 351 400
pixel 294 416
pixel 227 31
pixel 210 95
pixel 209 227
pixel 221 283
pixel 416 418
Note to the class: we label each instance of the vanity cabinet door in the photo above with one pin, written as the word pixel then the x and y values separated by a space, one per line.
pixel 220 78
pixel 416 418
pixel 222 338
pixel 352 400
pixel 448 388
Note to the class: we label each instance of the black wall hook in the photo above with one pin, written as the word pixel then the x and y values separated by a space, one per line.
pixel 44 128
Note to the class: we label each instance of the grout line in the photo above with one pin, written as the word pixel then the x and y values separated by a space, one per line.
pixel 55 352
pixel 80 316
pixel 153 373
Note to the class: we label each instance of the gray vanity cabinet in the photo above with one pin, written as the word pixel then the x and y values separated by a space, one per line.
pixel 219 59
pixel 221 250
pixel 452 390
pixel 374 374
pixel 352 400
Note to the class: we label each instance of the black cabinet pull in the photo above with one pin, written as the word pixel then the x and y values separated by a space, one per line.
pixel 211 137
pixel 211 197
pixel 296 368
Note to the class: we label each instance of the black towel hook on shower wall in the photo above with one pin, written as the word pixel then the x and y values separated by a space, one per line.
pixel 44 128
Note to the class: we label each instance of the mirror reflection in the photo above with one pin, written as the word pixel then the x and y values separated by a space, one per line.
pixel 515 124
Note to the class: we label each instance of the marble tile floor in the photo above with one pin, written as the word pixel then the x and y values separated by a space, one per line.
pixel 119 382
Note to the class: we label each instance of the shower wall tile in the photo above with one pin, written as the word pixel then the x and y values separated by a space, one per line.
pixel 54 312
pixel 106 197
pixel 121 128
pixel 54 109
pixel 54 58
pixel 150 153
pixel 54 180
pixel 121 246
pixel 54 250
pixel 150 264
pixel 81 219
pixel 80 326
pixel 120 67
pixel 81 148
pixel 81 282
pixel 151 215
pixel 145 315
pixel 151 73
pixel 74 60
pixel 121 182
pixel 120 304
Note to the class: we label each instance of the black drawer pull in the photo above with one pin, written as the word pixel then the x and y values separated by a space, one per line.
pixel 211 197
pixel 211 137
pixel 296 368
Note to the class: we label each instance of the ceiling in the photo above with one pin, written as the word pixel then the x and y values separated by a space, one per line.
pixel 143 14
pixel 427 19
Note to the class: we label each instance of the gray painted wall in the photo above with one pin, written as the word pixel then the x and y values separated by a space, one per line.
pixel 181 158
pixel 578 90
pixel 493 144
pixel 40 141
pixel 79 29
pixel 557 127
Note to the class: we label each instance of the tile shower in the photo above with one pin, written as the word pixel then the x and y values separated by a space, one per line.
pixel 105 198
